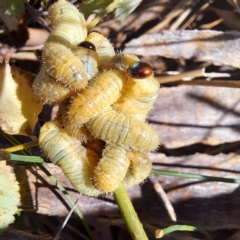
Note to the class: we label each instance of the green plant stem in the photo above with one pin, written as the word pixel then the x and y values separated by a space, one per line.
pixel 130 217
pixel 195 176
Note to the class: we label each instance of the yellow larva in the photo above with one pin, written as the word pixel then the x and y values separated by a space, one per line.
pixel 87 54
pixel 47 90
pixel 61 64
pixel 104 48
pixel 140 168
pixel 68 30
pixel 76 162
pixel 111 170
pixel 139 92
pixel 68 24
pixel 103 91
pixel 125 131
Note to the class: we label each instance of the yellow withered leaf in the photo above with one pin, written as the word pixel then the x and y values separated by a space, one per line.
pixel 9 196
pixel 19 108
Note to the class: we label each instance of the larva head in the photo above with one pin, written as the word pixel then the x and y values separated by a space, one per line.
pixel 140 70
pixel 87 45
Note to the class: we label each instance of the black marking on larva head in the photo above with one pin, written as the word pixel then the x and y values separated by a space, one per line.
pixel 140 70
pixel 50 3
pixel 87 45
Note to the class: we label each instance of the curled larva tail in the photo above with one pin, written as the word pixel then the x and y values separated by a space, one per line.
pixel 76 162
pixel 68 24
pixel 111 169
pixel 113 127
pixel 140 168
pixel 60 63
pixel 47 90
pixel 104 48
pixel 103 91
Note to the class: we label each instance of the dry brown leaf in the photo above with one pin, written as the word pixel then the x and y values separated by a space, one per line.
pixel 216 47
pixel 186 115
pixel 19 108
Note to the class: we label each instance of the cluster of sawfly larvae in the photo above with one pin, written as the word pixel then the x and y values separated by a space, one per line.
pixel 99 138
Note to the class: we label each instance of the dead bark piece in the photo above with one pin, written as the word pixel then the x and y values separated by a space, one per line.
pixel 187 115
pixel 216 47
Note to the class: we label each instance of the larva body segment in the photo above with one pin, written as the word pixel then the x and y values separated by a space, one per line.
pixel 104 48
pixel 68 24
pixel 103 91
pixel 82 134
pixel 76 162
pixel 47 90
pixel 139 94
pixel 125 131
pixel 61 64
pixel 89 59
pixel 111 169
pixel 140 168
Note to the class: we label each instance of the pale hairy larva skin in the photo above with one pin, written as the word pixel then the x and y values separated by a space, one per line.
pixel 111 169
pixel 76 162
pixel 140 168
pixel 61 64
pixel 125 131
pixel 89 59
pixel 104 48
pixel 103 91
pixel 68 24
pixel 47 90
pixel 139 94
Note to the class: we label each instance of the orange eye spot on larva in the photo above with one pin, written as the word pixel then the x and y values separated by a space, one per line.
pixel 140 70
pixel 87 45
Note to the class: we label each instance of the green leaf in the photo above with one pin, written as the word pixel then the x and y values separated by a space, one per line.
pixel 89 7
pixel 126 8
pixel 9 196
pixel 14 8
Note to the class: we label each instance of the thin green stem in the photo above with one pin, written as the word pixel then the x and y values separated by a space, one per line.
pixel 130 217
pixel 195 176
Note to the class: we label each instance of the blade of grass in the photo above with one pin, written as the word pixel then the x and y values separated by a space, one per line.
pixel 159 233
pixel 195 176
pixel 134 226
pixel 21 147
